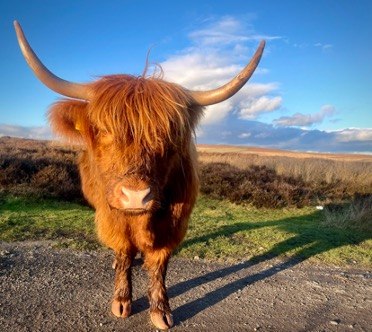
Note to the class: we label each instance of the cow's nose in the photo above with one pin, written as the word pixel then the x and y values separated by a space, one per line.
pixel 135 199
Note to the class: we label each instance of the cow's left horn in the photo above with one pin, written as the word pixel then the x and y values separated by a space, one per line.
pixel 66 88
pixel 205 98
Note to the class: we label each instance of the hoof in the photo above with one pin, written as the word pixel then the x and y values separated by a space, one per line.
pixel 162 321
pixel 121 308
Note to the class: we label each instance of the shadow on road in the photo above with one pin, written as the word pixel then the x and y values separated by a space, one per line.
pixel 306 242
pixel 192 308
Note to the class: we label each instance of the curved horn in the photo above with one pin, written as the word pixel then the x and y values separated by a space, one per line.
pixel 205 98
pixel 66 88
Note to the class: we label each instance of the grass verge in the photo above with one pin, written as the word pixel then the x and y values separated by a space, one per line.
pixel 67 223
pixel 219 230
pixel 222 230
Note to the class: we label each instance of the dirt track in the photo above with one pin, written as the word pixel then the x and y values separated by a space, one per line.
pixel 45 289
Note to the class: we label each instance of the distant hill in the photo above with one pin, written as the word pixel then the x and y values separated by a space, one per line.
pixel 276 152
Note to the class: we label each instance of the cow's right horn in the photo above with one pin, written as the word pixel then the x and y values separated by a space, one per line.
pixel 65 88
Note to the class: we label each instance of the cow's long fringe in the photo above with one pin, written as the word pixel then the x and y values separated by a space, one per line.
pixel 143 111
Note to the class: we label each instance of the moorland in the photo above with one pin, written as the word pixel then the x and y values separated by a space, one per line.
pixel 254 202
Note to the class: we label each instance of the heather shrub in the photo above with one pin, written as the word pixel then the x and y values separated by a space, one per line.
pixel 48 169
pixel 58 181
pixel 41 178
pixel 38 169
pixel 257 185
pixel 16 171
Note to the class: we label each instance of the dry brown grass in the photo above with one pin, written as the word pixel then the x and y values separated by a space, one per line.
pixel 356 214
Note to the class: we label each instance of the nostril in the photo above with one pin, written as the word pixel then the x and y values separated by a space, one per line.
pixel 147 198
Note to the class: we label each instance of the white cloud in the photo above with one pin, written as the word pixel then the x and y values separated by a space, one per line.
pixel 227 31
pixel 324 47
pixel 217 54
pixel 306 120
pixel 250 109
pixel 321 46
pixel 199 70
pixel 25 132
pixel 217 112
pixel 301 45
pixel 354 134
pixel 245 135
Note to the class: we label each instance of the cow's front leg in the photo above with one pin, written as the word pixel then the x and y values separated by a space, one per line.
pixel 122 302
pixel 156 264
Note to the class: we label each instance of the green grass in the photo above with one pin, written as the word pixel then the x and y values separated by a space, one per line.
pixel 219 230
pixel 27 219
pixel 225 231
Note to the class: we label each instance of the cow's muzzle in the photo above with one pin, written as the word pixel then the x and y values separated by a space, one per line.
pixel 135 200
pixel 132 195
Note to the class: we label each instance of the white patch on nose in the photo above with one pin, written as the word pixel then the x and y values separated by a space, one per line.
pixel 135 199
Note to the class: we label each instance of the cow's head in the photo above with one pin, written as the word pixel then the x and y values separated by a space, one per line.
pixel 136 129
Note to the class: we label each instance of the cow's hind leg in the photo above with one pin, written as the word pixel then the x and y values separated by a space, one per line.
pixel 156 264
pixel 122 302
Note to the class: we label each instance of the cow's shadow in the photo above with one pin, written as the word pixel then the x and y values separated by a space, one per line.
pixel 307 243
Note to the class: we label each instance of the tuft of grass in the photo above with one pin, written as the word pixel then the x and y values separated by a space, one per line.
pixel 355 215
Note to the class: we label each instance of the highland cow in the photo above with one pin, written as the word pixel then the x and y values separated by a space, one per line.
pixel 138 169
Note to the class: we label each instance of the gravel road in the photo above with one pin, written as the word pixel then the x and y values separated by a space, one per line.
pixel 48 289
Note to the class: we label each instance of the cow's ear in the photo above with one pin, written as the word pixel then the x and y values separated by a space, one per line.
pixel 69 119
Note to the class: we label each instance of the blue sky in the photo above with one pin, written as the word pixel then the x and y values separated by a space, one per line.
pixel 312 90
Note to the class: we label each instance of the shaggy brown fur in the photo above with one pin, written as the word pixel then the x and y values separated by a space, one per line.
pixel 138 133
